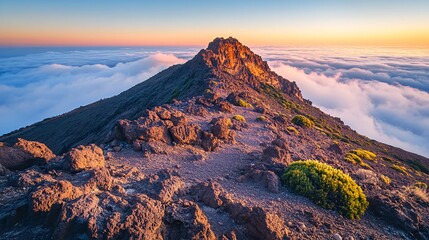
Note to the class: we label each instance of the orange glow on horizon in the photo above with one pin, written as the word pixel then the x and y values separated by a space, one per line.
pixel 127 37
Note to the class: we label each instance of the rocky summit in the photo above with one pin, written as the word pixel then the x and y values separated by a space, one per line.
pixel 220 147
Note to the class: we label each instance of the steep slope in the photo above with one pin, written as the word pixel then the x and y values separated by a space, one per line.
pixel 210 165
pixel 223 59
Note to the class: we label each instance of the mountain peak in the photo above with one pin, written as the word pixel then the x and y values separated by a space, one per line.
pixel 236 64
pixel 220 43
pixel 231 56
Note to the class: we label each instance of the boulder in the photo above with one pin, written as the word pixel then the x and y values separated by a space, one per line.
pixel 99 179
pixel 266 225
pixel 186 134
pixel 24 154
pixel 163 185
pixel 156 133
pixel 209 142
pixel 79 217
pixel 84 158
pixel 208 193
pixel 145 219
pixel 187 221
pixel 224 106
pixel 197 110
pixel 30 178
pixel 221 128
pixel 42 200
pixel 277 155
pixel 36 149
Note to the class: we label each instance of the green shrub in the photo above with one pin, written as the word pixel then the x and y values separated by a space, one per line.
pixel 326 186
pixel 385 179
pixel 243 103
pixel 239 118
pixel 355 159
pixel 365 154
pixel 292 130
pixel 261 119
pixel 400 169
pixel 303 121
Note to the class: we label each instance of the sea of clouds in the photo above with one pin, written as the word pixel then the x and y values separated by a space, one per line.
pixel 381 93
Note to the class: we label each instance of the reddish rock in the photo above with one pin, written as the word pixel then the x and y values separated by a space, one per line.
pixel 126 130
pixel 186 134
pixel 30 178
pixel 15 158
pixel 163 185
pixel 275 154
pixel 24 154
pixel 79 216
pixel 224 106
pixel 145 220
pixel 265 225
pixel 99 179
pixel 209 142
pixel 42 200
pixel 156 133
pixel 221 128
pixel 208 193
pixel 197 110
pixel 36 149
pixel 84 158
pixel 162 113
pixel 187 221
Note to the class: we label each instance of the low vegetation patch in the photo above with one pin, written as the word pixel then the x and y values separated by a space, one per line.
pixel 243 103
pixel 302 121
pixel 239 118
pixel 326 186
pixel 261 119
pixel 293 130
pixel 277 95
pixel 355 159
pixel 385 179
pixel 400 169
pixel 365 154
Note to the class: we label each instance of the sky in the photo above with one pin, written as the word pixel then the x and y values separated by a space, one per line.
pixel 194 23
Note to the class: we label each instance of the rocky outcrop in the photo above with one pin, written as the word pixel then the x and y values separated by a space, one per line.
pixel 259 223
pixel 36 149
pixel 277 153
pixel 83 158
pixel 24 154
pixel 187 221
pixel 404 210
pixel 221 128
pixel 145 220
pixel 55 193
pixel 186 134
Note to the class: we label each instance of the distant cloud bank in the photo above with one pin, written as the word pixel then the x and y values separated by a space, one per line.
pixel 381 93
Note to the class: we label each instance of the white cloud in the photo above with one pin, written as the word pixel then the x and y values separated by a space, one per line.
pixel 394 114
pixel 381 93
pixel 52 89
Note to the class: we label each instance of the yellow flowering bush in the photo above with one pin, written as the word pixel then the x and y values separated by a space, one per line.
pixel 328 187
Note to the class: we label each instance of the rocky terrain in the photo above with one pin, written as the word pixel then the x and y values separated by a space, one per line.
pixel 198 152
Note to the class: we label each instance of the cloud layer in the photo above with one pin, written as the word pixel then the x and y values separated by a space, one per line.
pixel 39 86
pixel 384 96
pixel 381 93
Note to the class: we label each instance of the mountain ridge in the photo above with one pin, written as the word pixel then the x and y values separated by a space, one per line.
pixel 220 147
